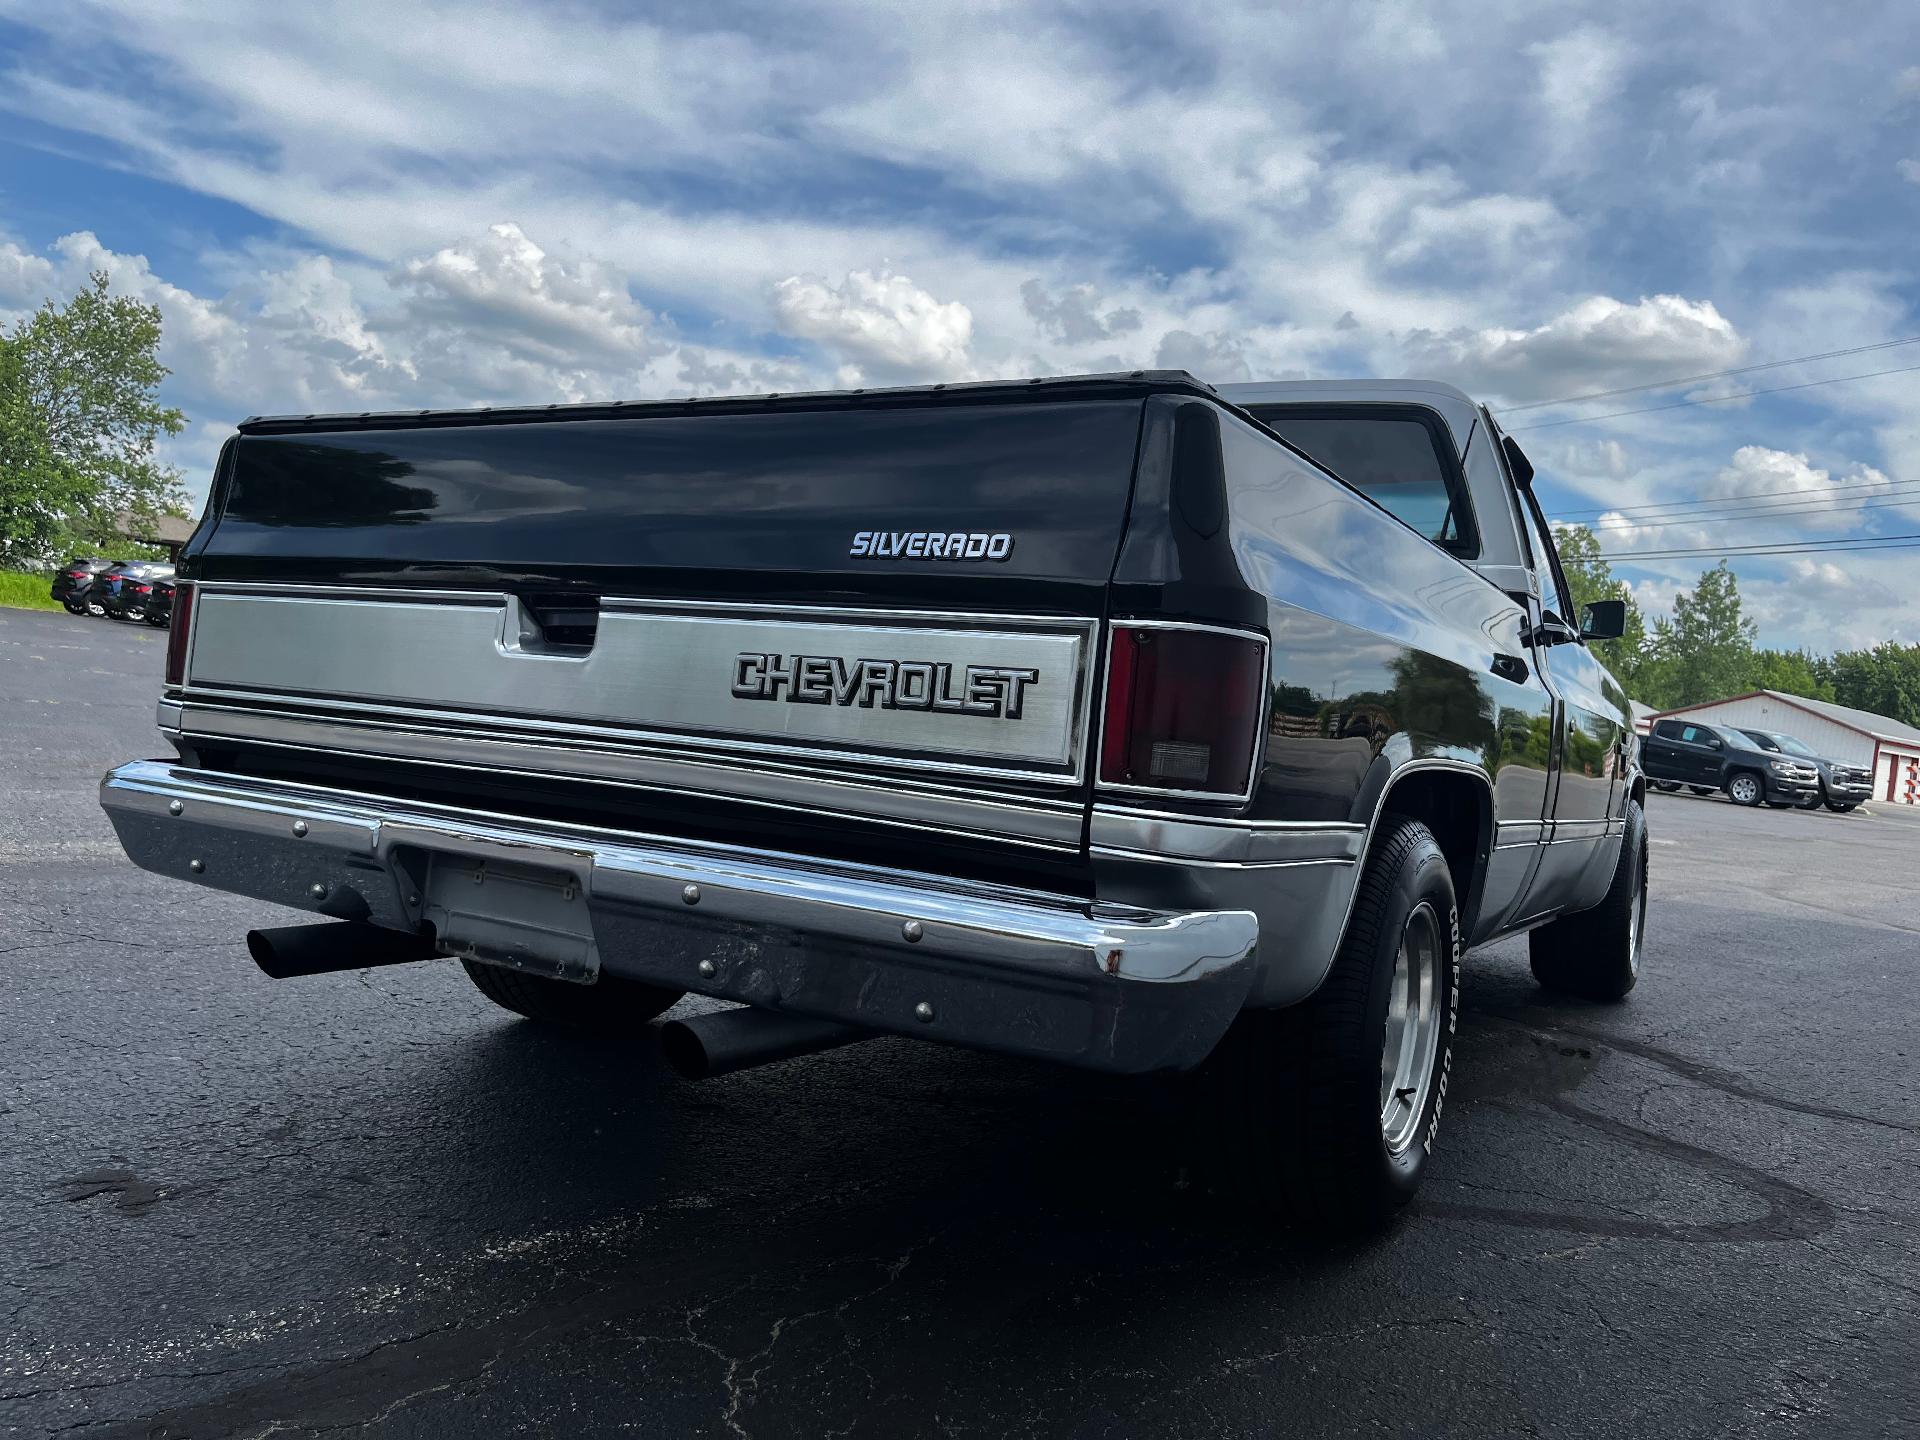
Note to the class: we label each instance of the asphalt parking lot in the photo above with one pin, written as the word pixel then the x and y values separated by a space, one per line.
pixel 233 1206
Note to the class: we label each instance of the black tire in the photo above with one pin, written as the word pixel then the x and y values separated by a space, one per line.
pixel 1746 788
pixel 1840 807
pixel 73 609
pixel 1596 953
pixel 159 622
pixel 1670 786
pixel 1812 802
pixel 610 1004
pixel 1703 789
pixel 1290 1108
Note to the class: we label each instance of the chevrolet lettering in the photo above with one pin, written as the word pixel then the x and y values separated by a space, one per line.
pixel 993 690
pixel 1221 770
pixel 932 544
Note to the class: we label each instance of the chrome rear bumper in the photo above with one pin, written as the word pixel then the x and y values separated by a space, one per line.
pixel 1106 987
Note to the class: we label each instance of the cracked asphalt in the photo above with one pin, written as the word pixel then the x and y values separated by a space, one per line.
pixel 234 1207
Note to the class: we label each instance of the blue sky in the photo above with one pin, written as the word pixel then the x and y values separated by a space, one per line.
pixel 337 208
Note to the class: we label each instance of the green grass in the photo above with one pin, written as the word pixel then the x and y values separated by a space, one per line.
pixel 26 592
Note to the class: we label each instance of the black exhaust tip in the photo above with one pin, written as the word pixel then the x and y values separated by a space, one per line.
pixel 333 945
pixel 728 1040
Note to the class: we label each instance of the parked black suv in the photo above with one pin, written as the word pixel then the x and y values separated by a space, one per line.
pixel 1717 757
pixel 71 580
pixel 1842 785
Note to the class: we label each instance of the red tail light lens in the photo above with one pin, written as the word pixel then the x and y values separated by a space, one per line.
pixel 177 636
pixel 143 589
pixel 1183 709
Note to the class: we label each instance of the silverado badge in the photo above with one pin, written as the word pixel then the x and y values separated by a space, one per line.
pixel 932 544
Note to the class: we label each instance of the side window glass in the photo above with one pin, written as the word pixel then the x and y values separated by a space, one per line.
pixel 1667 729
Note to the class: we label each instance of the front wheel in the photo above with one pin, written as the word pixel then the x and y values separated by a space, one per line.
pixel 611 1004
pixel 1596 953
pixel 1672 787
pixel 73 607
pixel 1324 1114
pixel 96 609
pixel 1746 789
pixel 159 622
pixel 1812 802
pixel 1840 807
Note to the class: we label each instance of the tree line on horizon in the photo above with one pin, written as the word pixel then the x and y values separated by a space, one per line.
pixel 1706 650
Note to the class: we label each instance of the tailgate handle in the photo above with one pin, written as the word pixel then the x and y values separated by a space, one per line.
pixel 558 624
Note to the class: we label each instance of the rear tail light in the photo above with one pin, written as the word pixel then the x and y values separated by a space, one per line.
pixel 143 589
pixel 177 636
pixel 1183 709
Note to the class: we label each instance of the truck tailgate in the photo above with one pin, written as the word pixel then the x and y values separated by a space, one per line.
pixel 833 609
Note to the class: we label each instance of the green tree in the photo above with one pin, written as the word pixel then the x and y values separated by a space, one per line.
pixel 1705 652
pixel 79 419
pixel 1792 672
pixel 1885 680
pixel 1591 578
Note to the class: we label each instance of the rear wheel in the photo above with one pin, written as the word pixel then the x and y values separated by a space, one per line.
pixel 1596 953
pixel 1746 788
pixel 1703 789
pixel 1670 786
pixel 96 609
pixel 610 1004
pixel 73 607
pixel 1324 1114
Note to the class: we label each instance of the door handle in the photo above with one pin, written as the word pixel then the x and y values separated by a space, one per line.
pixel 1510 667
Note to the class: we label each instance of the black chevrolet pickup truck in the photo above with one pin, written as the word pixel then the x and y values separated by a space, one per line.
pixel 1118 721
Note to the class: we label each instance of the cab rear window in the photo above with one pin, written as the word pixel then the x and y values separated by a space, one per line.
pixel 1396 455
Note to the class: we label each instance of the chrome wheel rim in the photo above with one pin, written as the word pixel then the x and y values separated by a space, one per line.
pixel 1744 788
pixel 1412 1038
pixel 1637 912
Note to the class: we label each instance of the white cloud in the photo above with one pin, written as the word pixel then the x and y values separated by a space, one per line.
pixel 1809 497
pixel 1075 316
pixel 1599 343
pixel 25 279
pixel 1909 171
pixel 540 306
pixel 880 322
pixel 1577 76
pixel 1215 358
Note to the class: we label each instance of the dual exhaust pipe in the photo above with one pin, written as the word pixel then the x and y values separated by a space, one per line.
pixel 699 1048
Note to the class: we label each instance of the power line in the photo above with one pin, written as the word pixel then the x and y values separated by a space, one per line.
pixel 1744 513
pixel 1865 542
pixel 1710 375
pixel 1784 513
pixel 1715 399
pixel 1750 495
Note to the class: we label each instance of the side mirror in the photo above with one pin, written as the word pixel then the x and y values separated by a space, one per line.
pixel 1603 620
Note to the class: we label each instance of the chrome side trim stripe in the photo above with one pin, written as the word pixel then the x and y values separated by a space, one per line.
pixel 1154 835
pixel 1054 824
